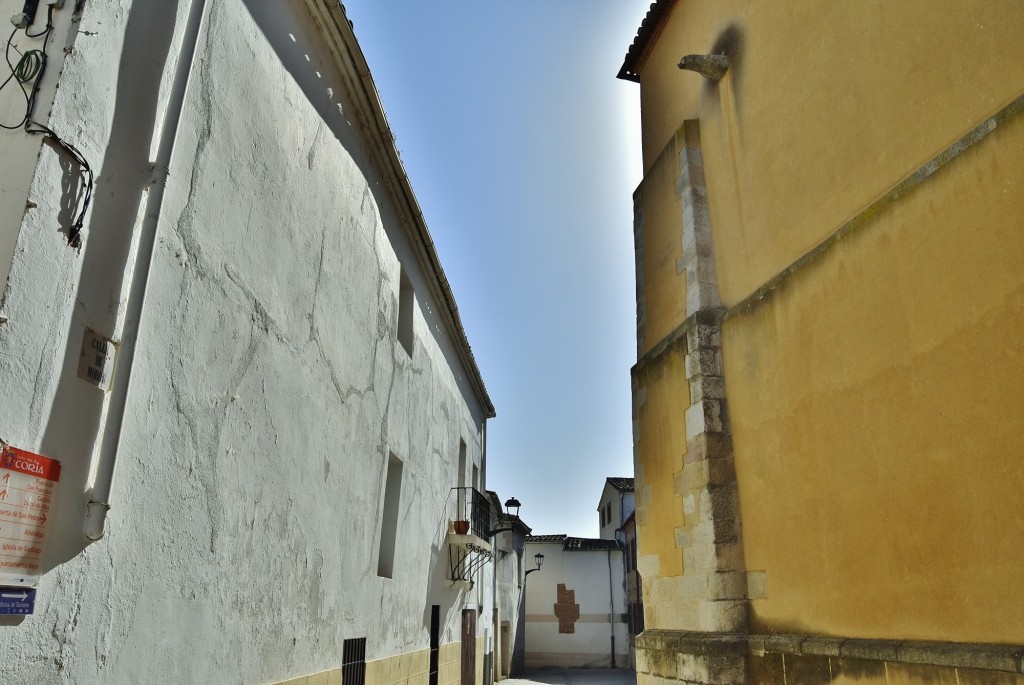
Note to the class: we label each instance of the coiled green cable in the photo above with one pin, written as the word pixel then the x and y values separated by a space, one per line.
pixel 28 66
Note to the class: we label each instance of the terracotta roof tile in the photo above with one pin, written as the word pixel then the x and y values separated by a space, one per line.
pixel 571 544
pixel 648 29
pixel 621 484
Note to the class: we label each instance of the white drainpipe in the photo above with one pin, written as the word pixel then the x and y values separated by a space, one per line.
pixel 99 503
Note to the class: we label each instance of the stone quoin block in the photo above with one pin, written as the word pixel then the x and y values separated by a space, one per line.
pixel 703 417
pixel 757 586
pixel 730 557
pixel 707 387
pixel 725 500
pixel 708 446
pixel 693 586
pixel 698 558
pixel 721 472
pixel 701 271
pixel 703 362
pixel 726 530
pixel 680 615
pixel 703 533
pixel 703 336
pixel 701 296
pixel 722 615
pixel 695 242
pixel 727 585
pixel 693 477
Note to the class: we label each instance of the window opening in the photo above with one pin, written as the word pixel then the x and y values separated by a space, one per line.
pixel 406 299
pixel 461 493
pixel 389 519
pixel 462 463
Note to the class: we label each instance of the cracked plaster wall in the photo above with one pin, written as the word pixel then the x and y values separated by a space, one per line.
pixel 268 387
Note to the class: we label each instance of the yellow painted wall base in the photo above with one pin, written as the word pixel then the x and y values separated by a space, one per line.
pixel 410 668
pixel 331 677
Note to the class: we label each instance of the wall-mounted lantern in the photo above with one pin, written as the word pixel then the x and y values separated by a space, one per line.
pixel 510 504
pixel 539 559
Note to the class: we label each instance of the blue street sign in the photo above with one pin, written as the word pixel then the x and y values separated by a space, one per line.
pixel 17 600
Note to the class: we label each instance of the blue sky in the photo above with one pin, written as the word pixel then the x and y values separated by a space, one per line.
pixel 523 150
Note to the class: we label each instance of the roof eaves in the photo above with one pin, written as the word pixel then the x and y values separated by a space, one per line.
pixel 573 544
pixel 330 16
pixel 649 29
pixel 622 484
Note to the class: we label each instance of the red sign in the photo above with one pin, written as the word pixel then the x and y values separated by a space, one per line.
pixel 27 483
pixel 32 464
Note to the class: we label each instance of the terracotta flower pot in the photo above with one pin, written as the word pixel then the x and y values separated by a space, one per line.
pixel 461 527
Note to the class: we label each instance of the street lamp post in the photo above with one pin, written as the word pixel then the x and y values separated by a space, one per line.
pixel 538 559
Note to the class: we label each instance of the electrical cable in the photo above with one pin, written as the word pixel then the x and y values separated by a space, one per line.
pixel 16 73
pixel 49 24
pixel 78 221
pixel 29 71
pixel 29 66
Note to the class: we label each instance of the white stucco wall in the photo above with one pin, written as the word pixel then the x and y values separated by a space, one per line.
pixel 268 389
pixel 18 150
pixel 586 573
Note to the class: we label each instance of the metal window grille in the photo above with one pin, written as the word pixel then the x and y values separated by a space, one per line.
pixel 435 631
pixel 353 661
pixel 481 518
pixel 472 506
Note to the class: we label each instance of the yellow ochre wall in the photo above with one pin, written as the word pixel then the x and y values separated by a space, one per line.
pixel 875 396
pixel 661 441
pixel 877 418
pixel 828 105
pixel 664 288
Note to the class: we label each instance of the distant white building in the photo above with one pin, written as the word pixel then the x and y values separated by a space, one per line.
pixel 575 606
pixel 245 355
pixel 616 504
pixel 577 615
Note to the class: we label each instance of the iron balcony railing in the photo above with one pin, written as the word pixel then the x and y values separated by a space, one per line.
pixel 470 512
